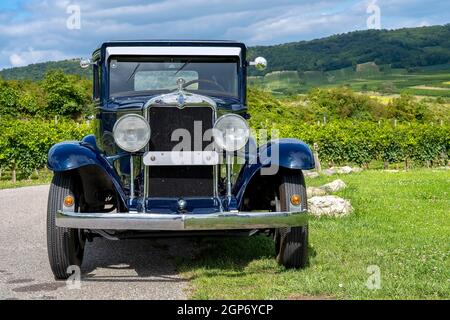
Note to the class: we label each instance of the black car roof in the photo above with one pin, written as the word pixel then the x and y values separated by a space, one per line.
pixel 156 42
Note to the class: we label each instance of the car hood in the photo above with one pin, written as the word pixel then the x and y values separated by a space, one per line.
pixel 138 102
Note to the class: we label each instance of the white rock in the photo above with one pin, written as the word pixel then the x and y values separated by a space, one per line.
pixel 329 206
pixel 341 170
pixel 329 171
pixel 334 186
pixel 344 170
pixel 311 174
pixel 313 191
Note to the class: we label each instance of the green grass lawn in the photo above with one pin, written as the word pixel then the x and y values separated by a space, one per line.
pixel 401 224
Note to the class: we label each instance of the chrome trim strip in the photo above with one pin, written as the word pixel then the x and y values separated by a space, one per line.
pixel 173 222
pixel 229 169
pixel 132 176
pixel 146 173
pixel 181 158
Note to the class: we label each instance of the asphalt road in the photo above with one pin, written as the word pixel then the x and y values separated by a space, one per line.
pixel 131 269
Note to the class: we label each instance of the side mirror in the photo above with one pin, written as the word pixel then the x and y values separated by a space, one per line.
pixel 260 63
pixel 85 63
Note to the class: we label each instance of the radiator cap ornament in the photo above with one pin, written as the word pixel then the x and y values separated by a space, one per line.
pixel 182 204
pixel 181 100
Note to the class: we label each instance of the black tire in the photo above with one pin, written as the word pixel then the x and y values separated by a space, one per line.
pixel 291 244
pixel 65 246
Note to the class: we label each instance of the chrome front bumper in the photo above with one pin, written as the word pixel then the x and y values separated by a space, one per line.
pixel 180 222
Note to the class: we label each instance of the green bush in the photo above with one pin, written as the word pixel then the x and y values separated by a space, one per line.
pixel 343 103
pixel 362 142
pixel 351 135
pixel 24 144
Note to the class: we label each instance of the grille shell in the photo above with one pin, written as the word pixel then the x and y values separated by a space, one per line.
pixel 180 181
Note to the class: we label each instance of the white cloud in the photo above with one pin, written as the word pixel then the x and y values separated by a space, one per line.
pixel 23 58
pixel 307 21
pixel 16 60
pixel 424 24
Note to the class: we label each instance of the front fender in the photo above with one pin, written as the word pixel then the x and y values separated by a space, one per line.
pixel 72 155
pixel 293 154
pixel 286 153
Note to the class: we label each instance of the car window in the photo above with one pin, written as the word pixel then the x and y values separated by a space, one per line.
pixel 153 75
pixel 162 80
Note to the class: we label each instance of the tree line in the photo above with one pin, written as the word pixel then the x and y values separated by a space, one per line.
pixel 57 94
pixel 402 48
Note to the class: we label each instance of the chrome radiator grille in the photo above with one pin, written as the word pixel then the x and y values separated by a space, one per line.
pixel 180 181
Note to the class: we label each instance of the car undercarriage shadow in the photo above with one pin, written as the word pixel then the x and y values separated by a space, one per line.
pixel 134 260
pixel 219 256
pixel 157 260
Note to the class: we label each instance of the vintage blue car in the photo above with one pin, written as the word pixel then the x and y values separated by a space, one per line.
pixel 173 155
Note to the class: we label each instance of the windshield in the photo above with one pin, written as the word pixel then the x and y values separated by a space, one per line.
pixel 208 76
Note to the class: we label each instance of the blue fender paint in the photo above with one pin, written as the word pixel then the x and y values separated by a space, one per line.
pixel 71 155
pixel 292 154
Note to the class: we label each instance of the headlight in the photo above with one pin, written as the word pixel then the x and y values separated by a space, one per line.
pixel 131 132
pixel 231 132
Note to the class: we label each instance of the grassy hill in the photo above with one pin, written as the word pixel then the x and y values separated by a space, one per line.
pixel 402 48
pixel 37 71
pixel 416 60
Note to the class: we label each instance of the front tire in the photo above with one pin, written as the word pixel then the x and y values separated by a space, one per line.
pixel 65 246
pixel 291 244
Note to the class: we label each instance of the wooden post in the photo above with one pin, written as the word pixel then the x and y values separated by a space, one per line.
pixel 13 173
pixel 56 119
pixel 316 158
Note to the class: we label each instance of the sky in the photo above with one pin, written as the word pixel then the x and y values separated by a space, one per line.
pixel 34 31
